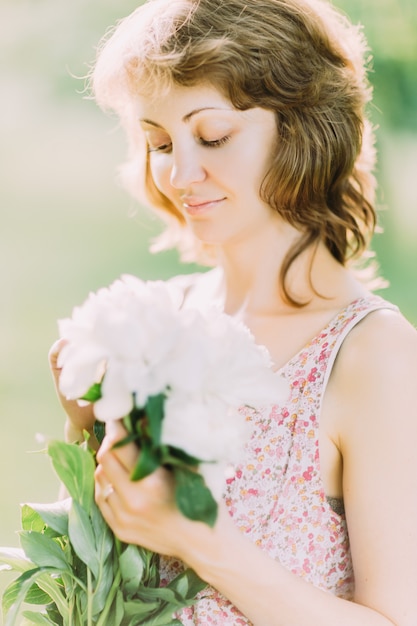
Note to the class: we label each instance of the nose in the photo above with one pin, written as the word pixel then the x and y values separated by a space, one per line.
pixel 186 169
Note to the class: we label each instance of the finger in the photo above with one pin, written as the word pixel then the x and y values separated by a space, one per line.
pixel 127 455
pixel 115 430
pixel 107 491
pixel 53 356
pixel 105 495
pixel 104 488
pixel 111 468
pixel 53 353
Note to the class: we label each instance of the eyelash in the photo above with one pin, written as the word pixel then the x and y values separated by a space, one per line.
pixel 216 143
pixel 162 148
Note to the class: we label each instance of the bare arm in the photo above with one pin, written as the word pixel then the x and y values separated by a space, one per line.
pixel 378 437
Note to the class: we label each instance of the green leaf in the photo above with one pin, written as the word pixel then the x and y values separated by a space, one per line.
pixel 176 456
pixel 30 519
pixel 151 577
pixel 159 593
pixel 131 438
pixel 55 515
pixel 50 582
pixel 75 467
pixel 93 394
pixel 82 537
pixel 131 568
pixel 154 409
pixel 103 587
pixel 43 551
pixel 37 596
pixel 119 609
pixel 135 420
pixel 139 609
pixel 36 618
pixel 99 431
pixel 162 617
pixel 115 616
pixel 105 542
pixel 148 461
pixel 54 615
pixel 185 587
pixel 103 534
pixel 193 497
pixel 188 584
pixel 15 594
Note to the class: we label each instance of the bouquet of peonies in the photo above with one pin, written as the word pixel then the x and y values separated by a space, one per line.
pixel 177 377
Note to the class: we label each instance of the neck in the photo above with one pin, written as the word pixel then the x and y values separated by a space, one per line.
pixel 252 269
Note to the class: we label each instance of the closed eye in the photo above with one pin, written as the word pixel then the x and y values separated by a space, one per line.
pixel 165 147
pixel 215 143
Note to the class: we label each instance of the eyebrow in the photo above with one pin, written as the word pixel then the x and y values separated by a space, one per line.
pixel 186 117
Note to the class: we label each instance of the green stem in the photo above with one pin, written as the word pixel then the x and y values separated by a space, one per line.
pixel 115 585
pixel 113 590
pixel 68 620
pixel 89 598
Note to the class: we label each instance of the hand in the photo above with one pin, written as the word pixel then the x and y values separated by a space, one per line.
pixel 80 418
pixel 140 512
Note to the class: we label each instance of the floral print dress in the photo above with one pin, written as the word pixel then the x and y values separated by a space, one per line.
pixel 276 496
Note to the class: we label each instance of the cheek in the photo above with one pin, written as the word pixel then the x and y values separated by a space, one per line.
pixel 253 164
pixel 160 170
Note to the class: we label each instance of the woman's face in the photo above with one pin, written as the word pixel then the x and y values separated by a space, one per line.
pixel 209 159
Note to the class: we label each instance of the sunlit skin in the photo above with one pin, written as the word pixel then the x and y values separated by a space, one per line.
pixel 210 160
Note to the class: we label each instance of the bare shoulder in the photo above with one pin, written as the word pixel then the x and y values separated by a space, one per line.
pixel 374 377
pixel 383 344
pixel 371 400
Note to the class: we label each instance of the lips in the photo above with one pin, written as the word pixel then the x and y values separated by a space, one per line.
pixel 197 206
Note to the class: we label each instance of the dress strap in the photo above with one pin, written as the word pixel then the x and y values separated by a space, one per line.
pixel 354 313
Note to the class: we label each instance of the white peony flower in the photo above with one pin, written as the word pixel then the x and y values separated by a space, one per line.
pixel 218 355
pixel 214 475
pixel 125 332
pixel 137 340
pixel 205 427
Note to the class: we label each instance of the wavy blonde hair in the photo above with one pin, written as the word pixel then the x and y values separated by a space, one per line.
pixel 301 59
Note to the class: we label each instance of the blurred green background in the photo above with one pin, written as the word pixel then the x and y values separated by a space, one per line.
pixel 68 228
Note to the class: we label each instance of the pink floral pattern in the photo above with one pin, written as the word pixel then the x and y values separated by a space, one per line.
pixel 276 496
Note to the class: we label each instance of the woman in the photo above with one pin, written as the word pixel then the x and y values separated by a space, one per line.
pixel 247 128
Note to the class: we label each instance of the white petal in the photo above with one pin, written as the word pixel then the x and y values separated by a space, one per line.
pixel 117 400
pixel 113 407
pixel 214 475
